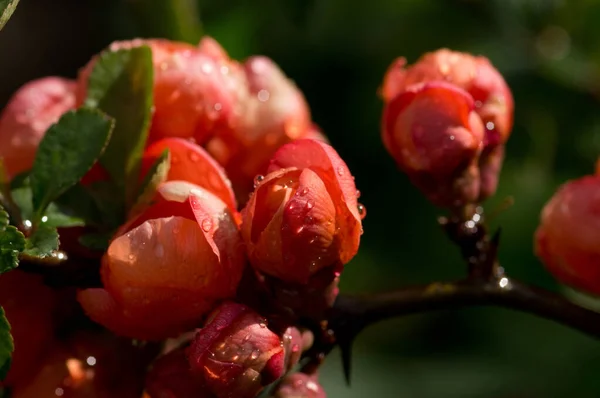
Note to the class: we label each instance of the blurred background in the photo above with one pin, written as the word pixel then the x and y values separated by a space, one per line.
pixel 337 52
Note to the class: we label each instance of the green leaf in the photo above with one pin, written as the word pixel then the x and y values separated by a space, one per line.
pixel 121 84
pixel 175 19
pixel 7 7
pixel 3 219
pixel 56 215
pixel 12 242
pixel 156 175
pixel 42 242
pixel 6 345
pixel 67 152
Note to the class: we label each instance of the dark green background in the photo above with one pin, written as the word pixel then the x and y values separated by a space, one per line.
pixel 337 52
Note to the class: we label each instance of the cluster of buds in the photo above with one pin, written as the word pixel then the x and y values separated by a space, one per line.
pixel 250 188
pixel 446 120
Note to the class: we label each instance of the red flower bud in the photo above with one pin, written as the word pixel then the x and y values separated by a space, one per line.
pixel 191 163
pixel 163 275
pixel 300 385
pixel 29 306
pixel 435 136
pixel 274 114
pixel 303 216
pixel 476 75
pixel 235 354
pixel 24 121
pixel 194 93
pixel 567 237
pixel 171 377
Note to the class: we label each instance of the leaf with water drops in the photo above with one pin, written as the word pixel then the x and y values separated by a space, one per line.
pixel 6 345
pixel 121 85
pixel 12 242
pixel 156 175
pixel 66 153
pixel 42 243
pixel 7 8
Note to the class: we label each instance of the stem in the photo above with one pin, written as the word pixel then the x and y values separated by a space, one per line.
pixel 356 312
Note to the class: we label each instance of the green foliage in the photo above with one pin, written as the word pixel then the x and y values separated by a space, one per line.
pixel 174 19
pixel 121 84
pixel 6 345
pixel 7 7
pixel 42 242
pixel 12 242
pixel 66 153
pixel 155 176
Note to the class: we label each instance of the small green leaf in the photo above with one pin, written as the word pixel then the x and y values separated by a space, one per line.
pixel 7 7
pixel 3 219
pixel 156 175
pixel 121 84
pixel 96 241
pixel 12 242
pixel 6 345
pixel 68 151
pixel 42 242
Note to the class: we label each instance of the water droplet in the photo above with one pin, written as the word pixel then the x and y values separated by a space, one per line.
pixel 312 240
pixel 362 231
pixel 362 211
pixel 258 179
pixel 235 358
pixel 27 224
pixel 207 68
pixel 299 229
pixel 59 392
pixel 131 257
pixel 303 192
pixel 45 218
pixel 218 106
pixel 490 125
pixel 262 325
pixel 358 194
pixel 255 354
pixel 206 224
pixel 193 156
pixel 246 338
pixel 478 104
pixel 91 361
pixel 263 95
pixel 159 250
pixel 452 138
pixel 295 348
pixel 340 171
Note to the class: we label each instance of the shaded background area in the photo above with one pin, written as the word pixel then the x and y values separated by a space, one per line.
pixel 337 52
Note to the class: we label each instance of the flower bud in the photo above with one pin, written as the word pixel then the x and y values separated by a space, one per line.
pixel 29 113
pixel 474 74
pixel 435 136
pixel 275 113
pixel 191 163
pixel 235 354
pixel 194 93
pixel 29 306
pixel 303 216
pixel 171 376
pixel 300 385
pixel 567 238
pixel 168 267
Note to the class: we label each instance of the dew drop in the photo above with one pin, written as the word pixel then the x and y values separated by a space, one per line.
pixel 206 224
pixel 45 218
pixel 299 229
pixel 59 392
pixel 246 338
pixel 193 156
pixel 258 179
pixel 490 126
pixel 303 192
pixel 207 68
pixel 218 106
pixel 358 194
pixel 362 211
pixel 295 348
pixel 263 95
pixel 262 325
pixel 309 204
pixel 235 358
pixel 131 257
pixel 340 171
pixel 255 354
pixel 91 361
